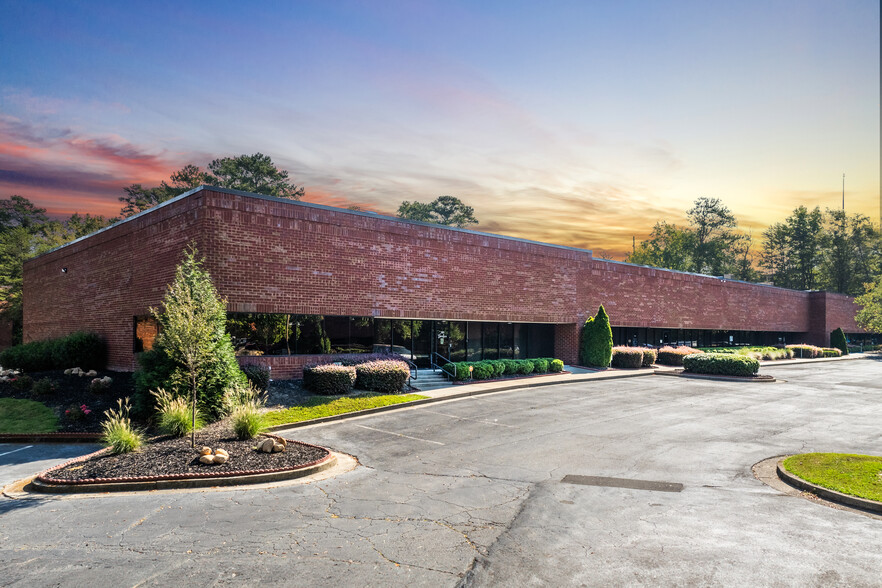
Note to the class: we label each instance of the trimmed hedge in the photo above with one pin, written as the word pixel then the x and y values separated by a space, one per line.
pixel 81 349
pixel 384 375
pixel 627 357
pixel 722 364
pixel 493 368
pixel 806 351
pixel 831 352
pixel 258 375
pixel 675 355
pixel 649 357
pixel 329 378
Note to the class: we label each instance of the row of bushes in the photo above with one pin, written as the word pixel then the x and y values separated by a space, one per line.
pixel 84 350
pixel 806 351
pixel 493 368
pixel 381 375
pixel 724 364
pixel 676 355
pixel 633 357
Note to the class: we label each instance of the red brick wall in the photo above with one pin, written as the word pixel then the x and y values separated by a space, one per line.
pixel 111 277
pixel 267 255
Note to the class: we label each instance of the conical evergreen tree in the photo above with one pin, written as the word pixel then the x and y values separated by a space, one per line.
pixel 596 344
pixel 837 340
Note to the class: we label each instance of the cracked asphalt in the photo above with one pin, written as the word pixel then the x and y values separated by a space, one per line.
pixel 470 492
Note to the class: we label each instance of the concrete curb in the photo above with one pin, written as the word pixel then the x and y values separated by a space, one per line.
pixel 801 360
pixel 826 493
pixel 455 396
pixel 238 480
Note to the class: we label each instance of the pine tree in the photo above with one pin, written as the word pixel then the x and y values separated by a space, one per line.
pixel 192 342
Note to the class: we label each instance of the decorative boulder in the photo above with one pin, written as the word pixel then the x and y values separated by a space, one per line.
pixel 267 445
pixel 278 448
pixel 205 451
pixel 221 458
pixel 90 374
pixel 207 459
pixel 222 452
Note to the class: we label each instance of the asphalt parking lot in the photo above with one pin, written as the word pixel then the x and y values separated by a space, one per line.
pixel 491 491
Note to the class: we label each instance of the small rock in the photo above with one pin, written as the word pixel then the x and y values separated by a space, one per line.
pixel 278 448
pixel 91 373
pixel 221 458
pixel 208 459
pixel 267 446
pixel 221 452
pixel 205 451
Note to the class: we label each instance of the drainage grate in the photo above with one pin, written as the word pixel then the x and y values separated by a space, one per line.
pixel 623 483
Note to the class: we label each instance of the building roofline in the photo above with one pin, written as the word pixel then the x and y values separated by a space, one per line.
pixel 401 220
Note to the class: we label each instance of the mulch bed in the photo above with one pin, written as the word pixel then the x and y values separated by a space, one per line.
pixel 755 378
pixel 74 391
pixel 164 456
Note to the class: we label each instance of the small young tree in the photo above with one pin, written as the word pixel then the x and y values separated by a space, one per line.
pixel 596 345
pixel 837 340
pixel 193 337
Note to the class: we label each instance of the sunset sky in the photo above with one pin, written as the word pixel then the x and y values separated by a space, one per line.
pixel 580 123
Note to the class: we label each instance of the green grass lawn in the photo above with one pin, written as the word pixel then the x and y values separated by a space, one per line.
pixel 26 416
pixel 316 407
pixel 857 475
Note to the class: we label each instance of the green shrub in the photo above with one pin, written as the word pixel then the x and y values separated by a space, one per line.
pixel 498 366
pixel 510 365
pixel 85 350
pixel 556 366
pixel 23 382
pixel 649 357
pixel 119 434
pixel 329 379
pixel 675 355
pixel 627 357
pixel 720 364
pixel 43 388
pixel 540 366
pixel 385 375
pixel 483 370
pixel 525 366
pixel 175 414
pixel 596 341
pixel 259 375
pixel 831 352
pixel 837 340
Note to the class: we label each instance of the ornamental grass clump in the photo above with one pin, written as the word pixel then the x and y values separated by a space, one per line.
pixel 627 357
pixel 831 352
pixel 175 414
pixel 119 434
pixel 246 405
pixel 674 355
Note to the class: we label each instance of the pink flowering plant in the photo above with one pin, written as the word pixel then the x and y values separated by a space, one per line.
pixel 77 413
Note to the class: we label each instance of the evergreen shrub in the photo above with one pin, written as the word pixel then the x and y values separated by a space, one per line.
pixel 556 366
pixel 831 352
pixel 837 340
pixel 649 357
pixel 81 349
pixel 540 366
pixel 596 341
pixel 329 379
pixel 383 375
pixel 258 375
pixel 723 364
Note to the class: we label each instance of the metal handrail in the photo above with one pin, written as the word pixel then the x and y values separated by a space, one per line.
pixel 435 365
pixel 416 370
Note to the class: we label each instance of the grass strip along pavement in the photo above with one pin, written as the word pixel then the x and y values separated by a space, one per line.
pixel 316 407
pixel 856 475
pixel 26 416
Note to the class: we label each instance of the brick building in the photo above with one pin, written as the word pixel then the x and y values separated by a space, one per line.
pixel 302 280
